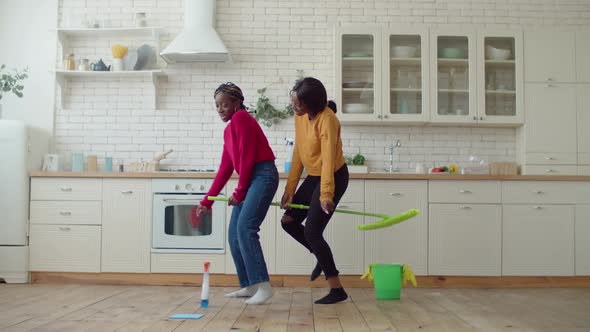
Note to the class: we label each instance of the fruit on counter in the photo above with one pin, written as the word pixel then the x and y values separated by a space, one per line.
pixel 437 170
pixel 452 168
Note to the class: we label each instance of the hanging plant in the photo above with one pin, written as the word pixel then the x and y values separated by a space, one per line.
pixel 11 81
pixel 266 113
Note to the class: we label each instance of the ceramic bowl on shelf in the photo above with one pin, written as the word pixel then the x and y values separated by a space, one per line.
pixel 357 108
pixel 357 84
pixel 403 51
pixel 358 55
pixel 451 53
pixel 493 53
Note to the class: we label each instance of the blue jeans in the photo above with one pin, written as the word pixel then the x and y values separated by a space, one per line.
pixel 245 222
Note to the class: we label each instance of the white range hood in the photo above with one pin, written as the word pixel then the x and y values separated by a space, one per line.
pixel 198 41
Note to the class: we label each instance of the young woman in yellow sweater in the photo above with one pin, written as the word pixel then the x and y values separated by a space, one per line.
pixel 318 148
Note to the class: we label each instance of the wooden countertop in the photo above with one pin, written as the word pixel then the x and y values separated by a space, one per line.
pixel 366 176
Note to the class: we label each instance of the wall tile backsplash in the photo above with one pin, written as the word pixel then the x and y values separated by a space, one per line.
pixel 269 41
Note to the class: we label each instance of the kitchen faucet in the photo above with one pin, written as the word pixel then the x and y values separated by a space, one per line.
pixel 392 147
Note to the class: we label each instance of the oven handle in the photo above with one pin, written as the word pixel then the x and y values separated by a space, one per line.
pixel 179 199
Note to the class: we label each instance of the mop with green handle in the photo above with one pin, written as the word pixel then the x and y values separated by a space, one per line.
pixel 386 220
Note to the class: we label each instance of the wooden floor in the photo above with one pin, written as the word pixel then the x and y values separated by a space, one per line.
pixel 46 307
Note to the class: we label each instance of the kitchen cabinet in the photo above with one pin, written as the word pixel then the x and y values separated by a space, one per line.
pixel 582 56
pixel 453 83
pixel 549 56
pixel 126 225
pixel 538 240
pixel 406 242
pixel 582 235
pixel 406 75
pixel 583 122
pixel 69 40
pixel 65 219
pixel 551 115
pixel 358 73
pixel 500 77
pixel 465 239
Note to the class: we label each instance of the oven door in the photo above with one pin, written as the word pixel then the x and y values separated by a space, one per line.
pixel 172 228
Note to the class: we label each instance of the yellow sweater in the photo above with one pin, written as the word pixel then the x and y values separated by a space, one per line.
pixel 318 148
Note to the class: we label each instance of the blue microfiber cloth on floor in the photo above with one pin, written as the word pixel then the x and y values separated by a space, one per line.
pixel 186 316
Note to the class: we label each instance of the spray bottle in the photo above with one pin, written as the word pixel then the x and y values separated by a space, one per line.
pixel 205 286
pixel 289 142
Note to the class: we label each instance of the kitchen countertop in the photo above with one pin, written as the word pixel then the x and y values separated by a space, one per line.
pixel 366 176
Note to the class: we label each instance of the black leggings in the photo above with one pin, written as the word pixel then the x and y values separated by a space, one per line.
pixel 311 235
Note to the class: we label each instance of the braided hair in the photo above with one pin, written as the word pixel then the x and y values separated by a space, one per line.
pixel 233 91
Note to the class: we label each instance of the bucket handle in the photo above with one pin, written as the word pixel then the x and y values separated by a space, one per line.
pixel 407 274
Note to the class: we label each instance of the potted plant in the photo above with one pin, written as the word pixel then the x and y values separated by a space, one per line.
pixel 11 82
pixel 265 112
pixel 356 164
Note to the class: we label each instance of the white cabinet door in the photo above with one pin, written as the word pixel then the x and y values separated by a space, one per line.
pixel 500 77
pixel 582 243
pixel 358 73
pixel 267 233
pixel 551 116
pixel 65 248
pixel 465 239
pixel 582 56
pixel 406 242
pixel 538 240
pixel 346 242
pixel 126 225
pixel 549 56
pixel 584 124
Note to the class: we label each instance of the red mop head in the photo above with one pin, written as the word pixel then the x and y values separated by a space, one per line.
pixel 206 266
pixel 193 218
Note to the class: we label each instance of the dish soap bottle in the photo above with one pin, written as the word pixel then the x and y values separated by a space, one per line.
pixel 289 142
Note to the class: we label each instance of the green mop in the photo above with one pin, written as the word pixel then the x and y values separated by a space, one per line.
pixel 386 220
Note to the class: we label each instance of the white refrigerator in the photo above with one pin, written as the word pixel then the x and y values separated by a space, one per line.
pixel 19 153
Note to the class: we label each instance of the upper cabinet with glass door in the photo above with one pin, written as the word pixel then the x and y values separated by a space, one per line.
pixel 358 80
pixel 500 83
pixel 453 84
pixel 406 75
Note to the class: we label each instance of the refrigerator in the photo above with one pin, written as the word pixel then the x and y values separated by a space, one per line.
pixel 20 152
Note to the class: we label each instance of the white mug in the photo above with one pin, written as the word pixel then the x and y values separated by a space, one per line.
pixel 420 169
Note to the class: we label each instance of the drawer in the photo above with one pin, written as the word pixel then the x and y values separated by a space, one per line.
pixel 551 158
pixel 464 191
pixel 550 170
pixel 584 170
pixel 583 158
pixel 66 189
pixel 542 192
pixel 65 248
pixel 66 212
pixel 355 193
pixel 186 263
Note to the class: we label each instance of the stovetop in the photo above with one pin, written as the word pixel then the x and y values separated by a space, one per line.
pixel 187 170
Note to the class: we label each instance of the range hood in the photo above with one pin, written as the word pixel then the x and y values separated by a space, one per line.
pixel 198 41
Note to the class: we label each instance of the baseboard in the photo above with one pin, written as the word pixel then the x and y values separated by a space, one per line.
pixel 349 281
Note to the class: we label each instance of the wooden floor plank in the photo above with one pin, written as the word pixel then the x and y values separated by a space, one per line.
pixel 365 302
pixel 277 316
pixel 216 303
pixel 325 317
pixel 301 314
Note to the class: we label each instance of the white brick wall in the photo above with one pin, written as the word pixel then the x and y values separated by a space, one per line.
pixel 269 41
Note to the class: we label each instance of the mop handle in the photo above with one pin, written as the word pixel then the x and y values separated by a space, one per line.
pixel 306 207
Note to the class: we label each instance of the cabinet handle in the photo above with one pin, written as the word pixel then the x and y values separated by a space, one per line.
pixel 549 79
pixel 65 213
pixel 126 192
pixel 549 158
pixel 475 118
pixel 344 206
pixel 537 207
pixel 465 191
pixel 549 170
pixel 386 116
pixel 481 117
pixel 465 207
pixel 549 85
pixel 395 194
pixel 65 229
pixel 66 188
pixel 379 116
pixel 538 192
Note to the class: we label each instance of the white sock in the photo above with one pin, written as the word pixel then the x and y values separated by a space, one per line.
pixel 262 295
pixel 244 292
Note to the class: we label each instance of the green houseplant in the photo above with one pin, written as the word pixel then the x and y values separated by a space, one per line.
pixel 356 164
pixel 265 112
pixel 11 82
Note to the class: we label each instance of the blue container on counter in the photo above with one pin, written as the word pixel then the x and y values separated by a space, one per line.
pixel 108 164
pixel 77 162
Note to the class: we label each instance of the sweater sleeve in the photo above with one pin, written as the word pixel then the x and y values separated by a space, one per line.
pixel 223 174
pixel 244 127
pixel 295 172
pixel 329 131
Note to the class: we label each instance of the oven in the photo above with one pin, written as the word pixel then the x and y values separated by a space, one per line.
pixel 172 230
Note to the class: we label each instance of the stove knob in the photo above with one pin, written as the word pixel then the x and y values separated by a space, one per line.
pixel 189 187
pixel 177 187
pixel 202 187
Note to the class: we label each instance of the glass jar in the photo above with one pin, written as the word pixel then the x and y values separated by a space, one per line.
pixel 140 20
pixel 70 62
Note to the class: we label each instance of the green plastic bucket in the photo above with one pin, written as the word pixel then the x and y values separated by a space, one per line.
pixel 388 281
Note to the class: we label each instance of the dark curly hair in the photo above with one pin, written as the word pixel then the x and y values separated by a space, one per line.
pixel 311 92
pixel 231 90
